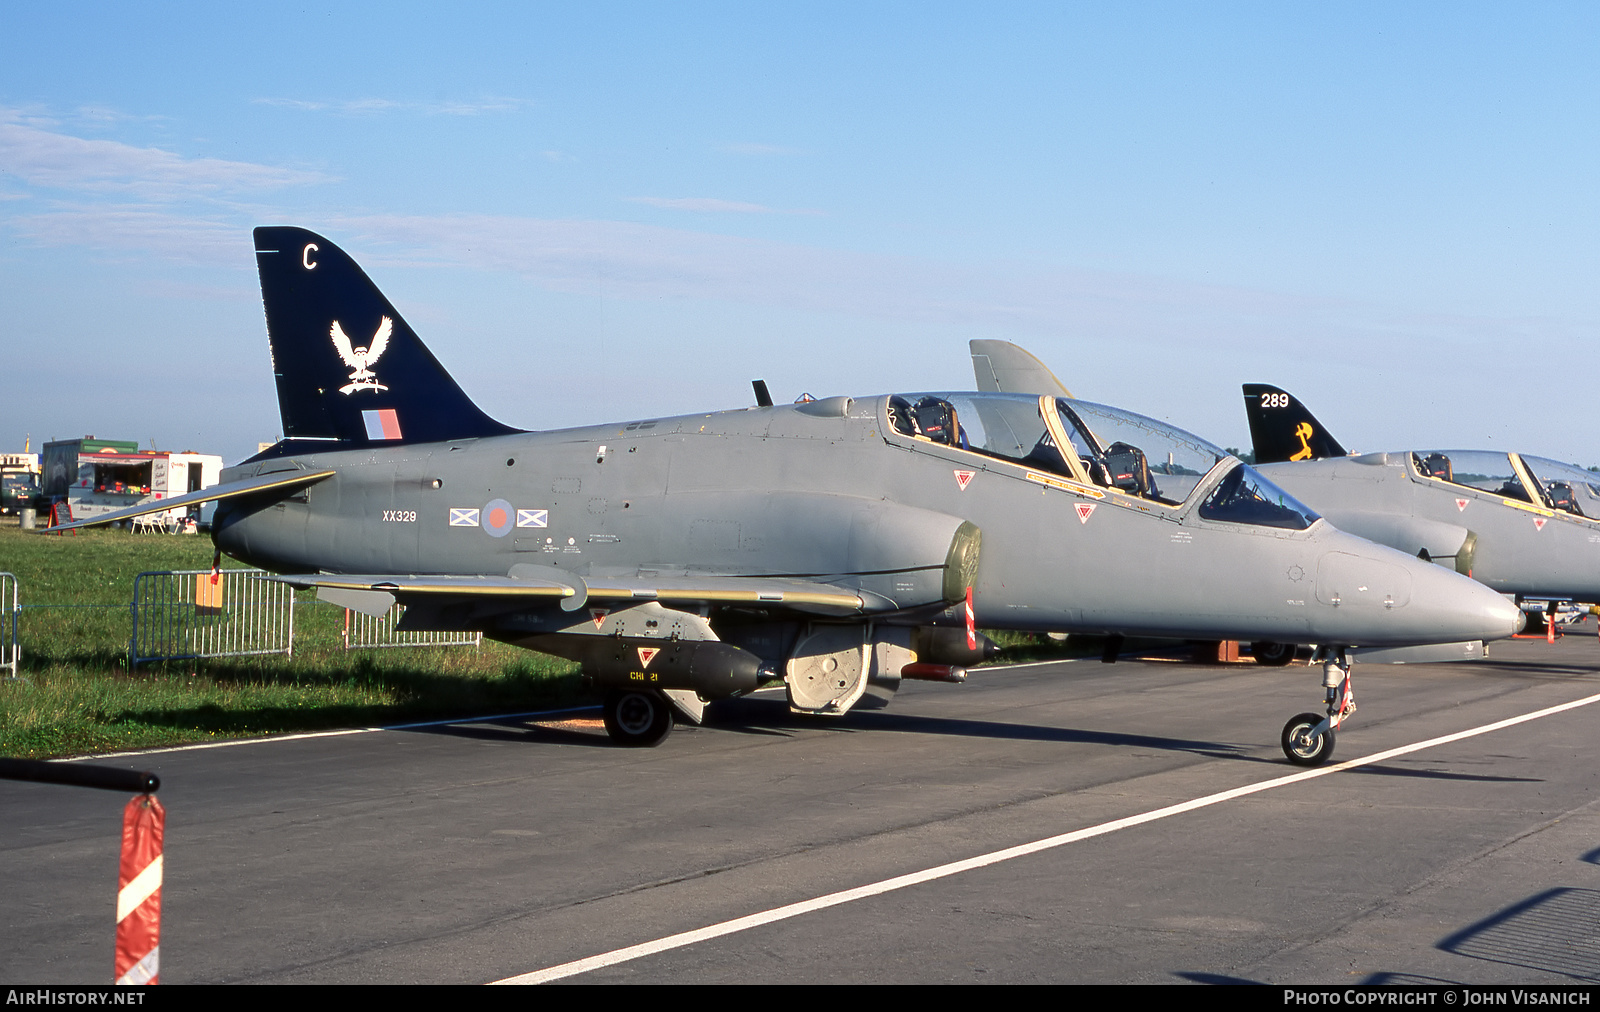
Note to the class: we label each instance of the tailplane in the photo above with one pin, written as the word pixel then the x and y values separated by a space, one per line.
pixel 1282 429
pixel 348 367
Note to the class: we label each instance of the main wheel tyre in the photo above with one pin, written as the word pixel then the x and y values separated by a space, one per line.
pixel 1298 744
pixel 638 719
pixel 1272 655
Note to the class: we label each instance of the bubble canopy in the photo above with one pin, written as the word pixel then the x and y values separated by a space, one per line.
pixel 1548 483
pixel 1105 447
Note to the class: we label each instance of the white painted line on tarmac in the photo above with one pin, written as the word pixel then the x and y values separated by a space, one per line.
pixel 1024 664
pixel 274 738
pixel 783 913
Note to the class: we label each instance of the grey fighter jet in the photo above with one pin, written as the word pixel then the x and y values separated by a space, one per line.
pixel 1521 524
pixel 834 546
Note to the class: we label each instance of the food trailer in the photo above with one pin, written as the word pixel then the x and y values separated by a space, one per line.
pixel 96 477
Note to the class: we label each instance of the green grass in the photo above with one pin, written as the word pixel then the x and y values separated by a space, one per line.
pixel 1021 647
pixel 76 695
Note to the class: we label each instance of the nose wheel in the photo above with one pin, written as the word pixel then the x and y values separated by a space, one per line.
pixel 637 719
pixel 1308 737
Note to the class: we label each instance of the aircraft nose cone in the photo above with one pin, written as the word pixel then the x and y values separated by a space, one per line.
pixel 1380 597
pixel 1465 608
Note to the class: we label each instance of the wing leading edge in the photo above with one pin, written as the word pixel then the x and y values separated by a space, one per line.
pixel 277 481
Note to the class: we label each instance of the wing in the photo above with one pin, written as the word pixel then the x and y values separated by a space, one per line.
pixel 542 588
pixel 341 344
pixel 380 341
pixel 276 481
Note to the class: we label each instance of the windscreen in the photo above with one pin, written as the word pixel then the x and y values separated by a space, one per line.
pixel 1245 497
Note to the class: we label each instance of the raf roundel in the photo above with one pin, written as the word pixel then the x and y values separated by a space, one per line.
pixel 497 518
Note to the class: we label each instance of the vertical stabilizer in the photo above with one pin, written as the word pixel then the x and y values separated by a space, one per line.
pixel 348 367
pixel 1002 367
pixel 1282 429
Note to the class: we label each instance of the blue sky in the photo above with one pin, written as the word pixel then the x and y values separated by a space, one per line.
pixel 597 211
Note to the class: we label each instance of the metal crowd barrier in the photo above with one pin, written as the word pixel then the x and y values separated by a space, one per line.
pixel 200 613
pixel 10 609
pixel 363 631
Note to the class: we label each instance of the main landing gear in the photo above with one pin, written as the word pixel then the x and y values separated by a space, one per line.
pixel 1308 737
pixel 640 719
pixel 1272 655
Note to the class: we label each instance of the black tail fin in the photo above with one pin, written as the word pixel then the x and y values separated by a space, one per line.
pixel 348 367
pixel 1282 429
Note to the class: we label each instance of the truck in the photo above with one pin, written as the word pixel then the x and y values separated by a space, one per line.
pixel 19 482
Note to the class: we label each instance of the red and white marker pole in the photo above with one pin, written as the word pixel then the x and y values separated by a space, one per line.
pixel 139 892
pixel 972 627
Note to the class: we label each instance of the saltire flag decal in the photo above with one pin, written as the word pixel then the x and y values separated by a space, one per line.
pixel 463 518
pixel 382 423
pixel 533 518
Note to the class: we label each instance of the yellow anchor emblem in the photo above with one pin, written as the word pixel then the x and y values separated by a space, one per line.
pixel 1303 431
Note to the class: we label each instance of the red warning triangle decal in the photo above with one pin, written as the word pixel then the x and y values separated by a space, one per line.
pixel 599 615
pixel 1461 505
pixel 1084 509
pixel 647 654
pixel 1539 522
pixel 963 477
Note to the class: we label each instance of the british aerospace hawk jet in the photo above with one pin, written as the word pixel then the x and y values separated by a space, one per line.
pixel 1521 524
pixel 834 546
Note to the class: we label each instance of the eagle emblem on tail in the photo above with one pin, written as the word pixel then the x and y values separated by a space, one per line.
pixel 360 360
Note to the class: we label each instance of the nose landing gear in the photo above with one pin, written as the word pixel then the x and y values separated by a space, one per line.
pixel 1308 737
